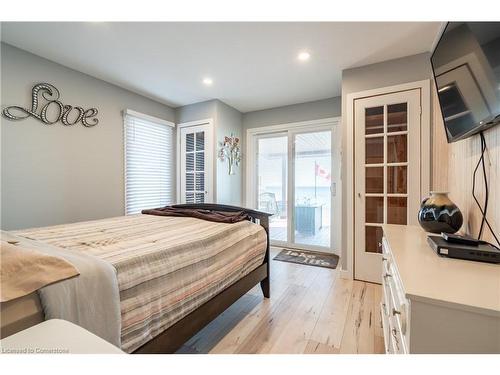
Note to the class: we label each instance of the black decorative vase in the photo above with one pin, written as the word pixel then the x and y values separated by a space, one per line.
pixel 439 214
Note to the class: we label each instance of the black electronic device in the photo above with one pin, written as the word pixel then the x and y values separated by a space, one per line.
pixel 466 66
pixel 483 252
pixel 457 239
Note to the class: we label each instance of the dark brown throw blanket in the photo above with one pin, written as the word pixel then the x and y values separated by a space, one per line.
pixel 217 216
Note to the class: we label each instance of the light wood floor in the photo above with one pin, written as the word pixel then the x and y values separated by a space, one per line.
pixel 311 310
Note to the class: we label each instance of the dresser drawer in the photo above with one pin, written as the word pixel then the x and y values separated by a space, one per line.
pixel 385 328
pixel 397 340
pixel 394 305
pixel 394 320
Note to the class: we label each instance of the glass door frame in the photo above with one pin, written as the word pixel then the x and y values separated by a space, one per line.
pixel 255 203
pixel 291 185
pixel 291 131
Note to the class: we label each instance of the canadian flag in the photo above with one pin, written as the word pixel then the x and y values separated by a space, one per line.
pixel 321 172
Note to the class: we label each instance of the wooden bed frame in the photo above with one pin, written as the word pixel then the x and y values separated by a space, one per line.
pixel 175 336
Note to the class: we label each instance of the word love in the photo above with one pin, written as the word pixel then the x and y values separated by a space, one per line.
pixel 53 108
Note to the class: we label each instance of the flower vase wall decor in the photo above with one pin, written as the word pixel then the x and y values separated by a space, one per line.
pixel 230 151
pixel 439 214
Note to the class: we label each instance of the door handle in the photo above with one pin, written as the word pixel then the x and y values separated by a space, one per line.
pixel 394 312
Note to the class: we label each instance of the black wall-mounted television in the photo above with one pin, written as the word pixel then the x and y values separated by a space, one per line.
pixel 466 67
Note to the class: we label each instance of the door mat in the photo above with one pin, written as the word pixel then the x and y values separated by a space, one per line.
pixel 310 258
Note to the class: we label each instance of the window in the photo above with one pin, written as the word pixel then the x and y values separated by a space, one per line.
pixel 149 162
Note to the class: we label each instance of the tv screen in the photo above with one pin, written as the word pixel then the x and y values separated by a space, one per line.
pixel 466 66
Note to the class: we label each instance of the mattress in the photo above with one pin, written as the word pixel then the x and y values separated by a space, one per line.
pixel 19 314
pixel 166 267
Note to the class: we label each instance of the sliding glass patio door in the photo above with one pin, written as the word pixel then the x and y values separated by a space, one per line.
pixel 272 177
pixel 312 158
pixel 293 181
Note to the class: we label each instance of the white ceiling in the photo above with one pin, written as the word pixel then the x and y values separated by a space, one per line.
pixel 253 65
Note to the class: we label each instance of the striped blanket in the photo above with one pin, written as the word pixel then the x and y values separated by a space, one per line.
pixel 166 266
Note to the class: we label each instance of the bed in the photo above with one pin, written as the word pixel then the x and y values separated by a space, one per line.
pixel 153 281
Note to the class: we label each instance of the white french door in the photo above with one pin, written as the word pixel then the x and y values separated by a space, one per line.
pixel 292 179
pixel 387 172
pixel 196 163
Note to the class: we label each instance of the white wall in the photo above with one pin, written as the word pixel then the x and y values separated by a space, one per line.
pixel 384 74
pixel 56 174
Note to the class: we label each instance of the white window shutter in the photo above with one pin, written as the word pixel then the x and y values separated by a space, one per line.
pixel 149 163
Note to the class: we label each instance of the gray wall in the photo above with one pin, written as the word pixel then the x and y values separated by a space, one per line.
pixel 56 174
pixel 293 113
pixel 388 73
pixel 195 112
pixel 227 120
pixel 229 187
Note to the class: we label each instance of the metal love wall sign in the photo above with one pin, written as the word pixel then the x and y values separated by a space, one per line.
pixel 52 109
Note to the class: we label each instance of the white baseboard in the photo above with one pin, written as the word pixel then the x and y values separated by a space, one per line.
pixel 345 274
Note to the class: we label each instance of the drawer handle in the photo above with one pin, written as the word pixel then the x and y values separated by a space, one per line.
pixel 394 334
pixel 384 258
pixel 394 311
pixel 387 275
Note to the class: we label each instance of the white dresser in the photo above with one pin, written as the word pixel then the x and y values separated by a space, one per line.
pixel 432 304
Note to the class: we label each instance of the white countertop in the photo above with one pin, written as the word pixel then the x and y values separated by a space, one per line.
pixel 56 336
pixel 427 276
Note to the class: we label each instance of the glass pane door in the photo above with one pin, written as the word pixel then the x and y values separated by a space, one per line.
pixel 387 174
pixel 386 164
pixel 272 177
pixel 312 188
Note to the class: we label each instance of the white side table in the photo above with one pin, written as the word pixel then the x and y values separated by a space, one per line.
pixel 56 336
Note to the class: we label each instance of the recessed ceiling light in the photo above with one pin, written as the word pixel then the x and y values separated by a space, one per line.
pixel 208 81
pixel 304 56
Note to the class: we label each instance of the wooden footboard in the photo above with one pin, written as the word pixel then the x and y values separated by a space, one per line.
pixel 175 336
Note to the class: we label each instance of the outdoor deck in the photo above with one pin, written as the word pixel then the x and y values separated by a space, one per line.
pixel 321 238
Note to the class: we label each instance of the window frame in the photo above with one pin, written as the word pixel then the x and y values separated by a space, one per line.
pixel 156 121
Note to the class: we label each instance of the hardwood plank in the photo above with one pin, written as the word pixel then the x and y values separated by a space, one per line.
pixel 270 325
pixel 314 347
pixel 377 299
pixel 378 334
pixel 359 330
pixel 209 336
pixel 311 310
pixel 330 326
pixel 298 329
pixel 261 315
